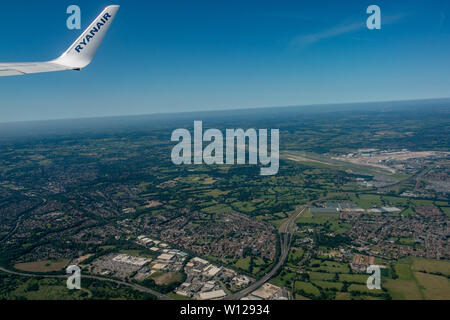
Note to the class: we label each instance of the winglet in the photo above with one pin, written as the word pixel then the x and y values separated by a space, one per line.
pixel 83 50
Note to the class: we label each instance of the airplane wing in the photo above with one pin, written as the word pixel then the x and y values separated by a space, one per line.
pixel 79 54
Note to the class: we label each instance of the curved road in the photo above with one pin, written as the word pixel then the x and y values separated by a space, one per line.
pixel 159 295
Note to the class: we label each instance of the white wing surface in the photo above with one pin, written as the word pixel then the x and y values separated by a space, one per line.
pixel 79 54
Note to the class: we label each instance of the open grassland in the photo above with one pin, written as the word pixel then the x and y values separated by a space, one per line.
pixel 433 287
pixel 321 276
pixel 307 288
pixel 14 287
pixel 42 266
pixel 353 278
pixel 402 289
pixel 300 297
pixel 404 271
pixel 414 285
pixel 431 266
pixel 178 297
pixel 166 278
pixel 46 289
pixel 360 288
pixel 329 266
pixel 218 209
pixel 343 296
pixel 321 220
pixel 295 254
pixel 284 279
pixel 329 285
pixel 243 263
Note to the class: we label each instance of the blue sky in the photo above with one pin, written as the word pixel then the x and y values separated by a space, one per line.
pixel 171 56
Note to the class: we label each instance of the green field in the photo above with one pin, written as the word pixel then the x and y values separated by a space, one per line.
pixel 413 285
pixel 321 276
pixel 217 209
pixel 433 287
pixel 329 285
pixel 284 279
pixel 360 288
pixel 307 288
pixel 329 266
pixel 354 278
pixel 14 287
pixel 431 266
pixel 243 263
pixel 402 289
pixel 42 266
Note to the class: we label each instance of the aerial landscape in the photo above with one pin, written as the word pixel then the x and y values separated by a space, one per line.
pixel 224 159
pixel 358 185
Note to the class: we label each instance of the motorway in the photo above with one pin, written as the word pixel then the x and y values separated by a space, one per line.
pixel 285 243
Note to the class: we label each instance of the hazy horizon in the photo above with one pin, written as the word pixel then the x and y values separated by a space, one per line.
pixel 209 111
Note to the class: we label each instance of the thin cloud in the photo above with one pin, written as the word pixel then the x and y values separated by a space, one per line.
pixel 443 18
pixel 305 40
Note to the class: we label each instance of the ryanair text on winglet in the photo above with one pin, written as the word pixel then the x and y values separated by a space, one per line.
pixel 100 23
